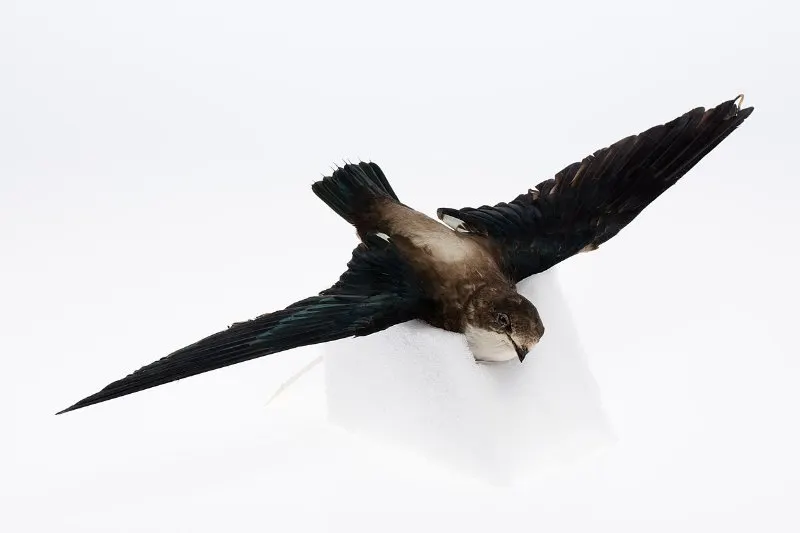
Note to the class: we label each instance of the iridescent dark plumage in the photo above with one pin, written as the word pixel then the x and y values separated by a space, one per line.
pixel 462 277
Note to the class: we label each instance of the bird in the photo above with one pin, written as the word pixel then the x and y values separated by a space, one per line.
pixel 458 271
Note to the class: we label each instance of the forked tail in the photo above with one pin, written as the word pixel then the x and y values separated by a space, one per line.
pixel 352 189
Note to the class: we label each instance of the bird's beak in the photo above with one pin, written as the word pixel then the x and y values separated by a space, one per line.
pixel 522 351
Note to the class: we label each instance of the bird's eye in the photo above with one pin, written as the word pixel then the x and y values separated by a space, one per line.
pixel 503 320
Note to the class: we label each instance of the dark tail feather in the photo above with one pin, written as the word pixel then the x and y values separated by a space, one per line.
pixel 351 188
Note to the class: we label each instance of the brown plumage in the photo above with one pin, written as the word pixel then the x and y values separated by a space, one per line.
pixel 461 275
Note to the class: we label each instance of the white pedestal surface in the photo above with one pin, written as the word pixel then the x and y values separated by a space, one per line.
pixel 419 386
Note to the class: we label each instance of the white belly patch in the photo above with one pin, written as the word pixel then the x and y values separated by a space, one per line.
pixel 446 247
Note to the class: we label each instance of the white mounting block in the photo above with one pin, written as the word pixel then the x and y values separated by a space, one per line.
pixel 419 386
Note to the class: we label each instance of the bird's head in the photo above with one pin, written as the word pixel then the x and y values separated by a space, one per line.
pixel 501 325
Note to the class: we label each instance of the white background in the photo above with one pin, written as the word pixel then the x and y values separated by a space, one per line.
pixel 155 167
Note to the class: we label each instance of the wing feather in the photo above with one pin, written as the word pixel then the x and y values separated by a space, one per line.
pixel 590 201
pixel 377 291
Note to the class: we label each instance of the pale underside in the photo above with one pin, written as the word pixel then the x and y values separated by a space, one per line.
pixel 489 346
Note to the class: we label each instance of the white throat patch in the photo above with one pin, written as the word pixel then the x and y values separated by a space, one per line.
pixel 489 346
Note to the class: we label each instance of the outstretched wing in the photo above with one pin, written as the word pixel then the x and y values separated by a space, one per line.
pixel 377 291
pixel 589 202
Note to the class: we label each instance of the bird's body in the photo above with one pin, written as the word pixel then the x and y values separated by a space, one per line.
pixel 458 273
pixel 450 265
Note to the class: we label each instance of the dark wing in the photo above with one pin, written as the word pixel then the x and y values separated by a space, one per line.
pixel 377 291
pixel 589 202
